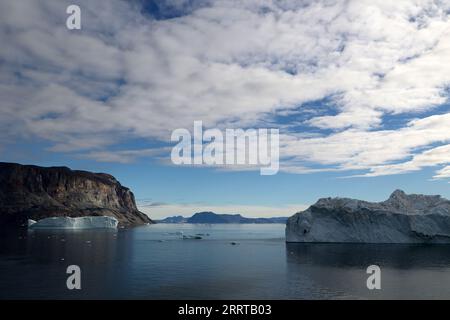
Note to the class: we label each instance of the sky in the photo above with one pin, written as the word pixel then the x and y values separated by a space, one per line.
pixel 359 91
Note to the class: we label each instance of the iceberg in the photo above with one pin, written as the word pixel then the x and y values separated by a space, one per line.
pixel 402 218
pixel 88 222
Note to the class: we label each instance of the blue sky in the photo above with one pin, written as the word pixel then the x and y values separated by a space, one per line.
pixel 358 90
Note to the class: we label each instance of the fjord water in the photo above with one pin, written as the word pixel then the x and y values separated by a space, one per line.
pixel 155 262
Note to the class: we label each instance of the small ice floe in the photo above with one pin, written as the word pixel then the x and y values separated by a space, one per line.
pixel 188 237
pixel 174 233
pixel 89 222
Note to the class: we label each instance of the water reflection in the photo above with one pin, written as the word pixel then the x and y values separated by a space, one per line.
pixel 155 263
pixel 36 261
pixel 320 271
pixel 359 255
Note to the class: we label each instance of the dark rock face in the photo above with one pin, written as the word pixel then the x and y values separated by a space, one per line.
pixel 32 192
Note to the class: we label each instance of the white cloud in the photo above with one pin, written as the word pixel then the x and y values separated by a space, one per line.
pixel 430 158
pixel 126 75
pixel 443 173
pixel 121 156
pixel 375 150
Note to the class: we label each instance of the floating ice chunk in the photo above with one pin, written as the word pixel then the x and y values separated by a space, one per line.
pixel 400 219
pixel 89 222
pixel 31 222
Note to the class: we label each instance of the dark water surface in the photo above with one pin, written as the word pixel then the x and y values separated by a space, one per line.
pixel 154 262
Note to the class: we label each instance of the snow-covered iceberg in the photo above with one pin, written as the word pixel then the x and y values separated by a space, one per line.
pixel 88 222
pixel 400 219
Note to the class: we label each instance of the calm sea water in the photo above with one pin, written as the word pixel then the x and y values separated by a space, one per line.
pixel 154 262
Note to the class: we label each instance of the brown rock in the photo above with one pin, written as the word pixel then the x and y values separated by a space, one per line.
pixel 32 192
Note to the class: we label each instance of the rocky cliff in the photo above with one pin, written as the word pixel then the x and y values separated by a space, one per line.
pixel 32 192
pixel 400 219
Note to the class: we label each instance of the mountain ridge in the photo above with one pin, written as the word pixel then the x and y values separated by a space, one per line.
pixel 215 218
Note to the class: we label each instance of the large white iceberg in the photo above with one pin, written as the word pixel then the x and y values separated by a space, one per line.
pixel 89 222
pixel 400 219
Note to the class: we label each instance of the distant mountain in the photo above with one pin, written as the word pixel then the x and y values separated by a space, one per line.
pixel 174 219
pixel 213 218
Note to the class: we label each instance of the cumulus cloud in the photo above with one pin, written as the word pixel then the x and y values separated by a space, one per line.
pixel 131 73
pixel 443 173
pixel 122 156
pixel 380 151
